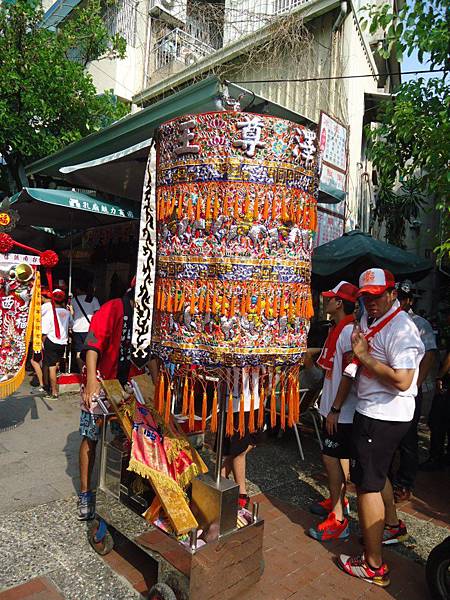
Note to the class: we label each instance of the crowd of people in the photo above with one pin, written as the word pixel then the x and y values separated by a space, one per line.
pixel 375 359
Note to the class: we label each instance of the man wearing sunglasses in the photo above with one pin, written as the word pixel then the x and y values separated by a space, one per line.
pixel 388 350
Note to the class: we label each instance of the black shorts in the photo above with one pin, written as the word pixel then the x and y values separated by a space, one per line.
pixel 374 443
pixel 53 353
pixel 338 445
pixel 235 445
pixel 78 338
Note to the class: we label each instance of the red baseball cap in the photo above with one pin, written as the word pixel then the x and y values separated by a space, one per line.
pixel 343 290
pixel 375 281
pixel 59 295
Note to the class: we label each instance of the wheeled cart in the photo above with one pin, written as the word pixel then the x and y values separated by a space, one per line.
pixel 222 568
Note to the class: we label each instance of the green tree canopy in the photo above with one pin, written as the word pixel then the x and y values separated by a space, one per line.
pixel 47 99
pixel 410 148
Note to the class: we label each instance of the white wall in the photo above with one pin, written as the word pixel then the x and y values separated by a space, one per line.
pixel 125 77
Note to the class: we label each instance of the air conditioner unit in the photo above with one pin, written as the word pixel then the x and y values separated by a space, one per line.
pixel 172 12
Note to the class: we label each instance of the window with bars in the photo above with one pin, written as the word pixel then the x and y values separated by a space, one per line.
pixel 120 18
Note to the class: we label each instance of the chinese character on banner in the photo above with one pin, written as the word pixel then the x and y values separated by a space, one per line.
pixel 185 139
pixel 251 135
pixel 305 146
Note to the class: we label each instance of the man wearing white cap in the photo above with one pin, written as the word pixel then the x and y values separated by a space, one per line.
pixel 388 351
pixel 337 406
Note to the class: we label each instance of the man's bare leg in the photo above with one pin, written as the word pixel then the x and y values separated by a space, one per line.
pixel 238 468
pixel 53 380
pixel 371 520
pixel 387 493
pixel 227 465
pixel 86 463
pixel 38 370
pixel 336 484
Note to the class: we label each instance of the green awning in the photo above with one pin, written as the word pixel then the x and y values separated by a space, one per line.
pixel 132 129
pixel 349 255
pixel 65 209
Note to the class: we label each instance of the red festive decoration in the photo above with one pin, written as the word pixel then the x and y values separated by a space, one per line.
pixel 6 243
pixel 49 258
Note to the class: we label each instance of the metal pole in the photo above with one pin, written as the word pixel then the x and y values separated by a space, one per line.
pixel 220 431
pixel 69 347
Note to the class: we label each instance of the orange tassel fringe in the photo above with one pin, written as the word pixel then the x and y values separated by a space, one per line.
pixel 191 410
pixel 241 416
pixel 229 429
pixel 214 412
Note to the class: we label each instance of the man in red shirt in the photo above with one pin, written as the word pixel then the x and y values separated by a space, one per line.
pixel 107 355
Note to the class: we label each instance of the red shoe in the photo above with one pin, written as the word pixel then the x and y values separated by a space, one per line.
pixel 394 535
pixel 330 529
pixel 324 508
pixel 358 567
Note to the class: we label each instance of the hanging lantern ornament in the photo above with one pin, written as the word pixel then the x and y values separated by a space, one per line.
pixel 6 243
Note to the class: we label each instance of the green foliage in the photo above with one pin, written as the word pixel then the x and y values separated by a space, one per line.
pixel 411 144
pixel 48 100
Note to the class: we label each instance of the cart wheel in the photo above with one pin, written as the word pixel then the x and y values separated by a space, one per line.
pixel 161 591
pixel 99 538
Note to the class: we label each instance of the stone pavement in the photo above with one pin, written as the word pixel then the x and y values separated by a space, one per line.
pixel 43 545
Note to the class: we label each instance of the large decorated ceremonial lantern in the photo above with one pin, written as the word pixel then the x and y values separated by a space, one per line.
pixel 235 211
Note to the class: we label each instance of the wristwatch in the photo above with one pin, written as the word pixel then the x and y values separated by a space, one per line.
pixel 335 410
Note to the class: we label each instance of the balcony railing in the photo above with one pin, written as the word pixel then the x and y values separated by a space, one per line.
pixel 282 6
pixel 180 47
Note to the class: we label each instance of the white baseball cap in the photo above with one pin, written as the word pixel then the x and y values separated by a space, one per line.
pixel 375 281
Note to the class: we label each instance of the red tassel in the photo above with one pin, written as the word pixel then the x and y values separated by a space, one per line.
pixel 214 412
pixel 191 409
pixel 229 429
pixel 184 408
pixel 241 416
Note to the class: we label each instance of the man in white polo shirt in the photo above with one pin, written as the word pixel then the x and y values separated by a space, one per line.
pixel 388 351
